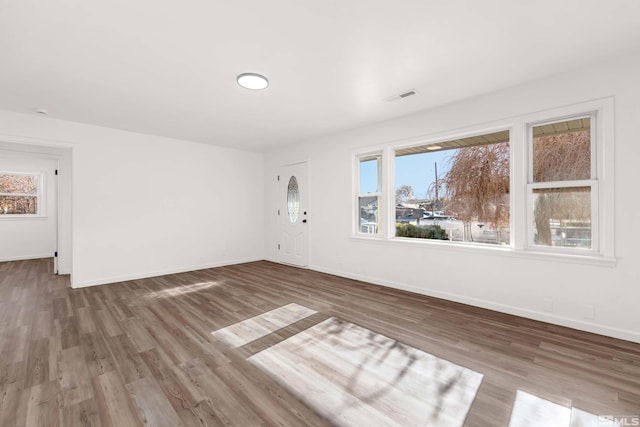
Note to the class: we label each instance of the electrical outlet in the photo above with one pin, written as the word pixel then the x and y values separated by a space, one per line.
pixel 547 305
pixel 589 312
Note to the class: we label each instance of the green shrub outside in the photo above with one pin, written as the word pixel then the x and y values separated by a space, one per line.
pixel 421 232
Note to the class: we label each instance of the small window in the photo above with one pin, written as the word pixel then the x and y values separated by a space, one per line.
pixel 293 199
pixel 20 194
pixel 455 190
pixel 368 197
pixel 562 184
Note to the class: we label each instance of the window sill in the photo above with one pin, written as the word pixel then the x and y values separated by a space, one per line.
pixel 21 217
pixel 501 250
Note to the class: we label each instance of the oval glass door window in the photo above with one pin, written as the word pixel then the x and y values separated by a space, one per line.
pixel 293 199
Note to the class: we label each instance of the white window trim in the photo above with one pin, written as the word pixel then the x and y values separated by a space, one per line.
pixel 602 185
pixel 448 137
pixel 379 194
pixel 40 196
pixel 603 208
pixel 593 185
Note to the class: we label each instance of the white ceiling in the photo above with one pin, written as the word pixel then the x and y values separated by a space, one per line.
pixel 168 67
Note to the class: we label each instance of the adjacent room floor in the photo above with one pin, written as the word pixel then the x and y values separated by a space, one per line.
pixel 266 344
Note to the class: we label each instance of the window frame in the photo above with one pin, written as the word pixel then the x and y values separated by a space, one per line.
pixel 601 112
pixel 592 183
pixel 358 159
pixel 40 196
pixel 474 132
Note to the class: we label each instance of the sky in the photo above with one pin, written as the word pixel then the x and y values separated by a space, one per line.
pixel 416 170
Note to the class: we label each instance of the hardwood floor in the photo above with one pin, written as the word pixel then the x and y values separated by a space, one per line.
pixel 265 344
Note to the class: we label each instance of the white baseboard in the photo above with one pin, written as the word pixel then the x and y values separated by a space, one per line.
pixel 25 257
pixel 146 275
pixel 503 308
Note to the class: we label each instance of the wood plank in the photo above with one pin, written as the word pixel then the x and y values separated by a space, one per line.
pixel 201 415
pixel 15 344
pixel 86 325
pixel 266 399
pixel 97 355
pixel 114 403
pixel 130 364
pixel 73 376
pixel 42 324
pixel 175 384
pixel 107 323
pixel 60 308
pixel 38 363
pixel 153 407
pixel 40 406
pixel 119 309
pixel 9 404
pixel 85 414
pixel 69 336
pixel 67 356
pixel 77 299
pixel 12 373
pixel 169 343
pixel 224 401
pixel 138 335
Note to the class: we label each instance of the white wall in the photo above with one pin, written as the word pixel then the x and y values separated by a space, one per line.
pixel 484 278
pixel 145 205
pixel 34 237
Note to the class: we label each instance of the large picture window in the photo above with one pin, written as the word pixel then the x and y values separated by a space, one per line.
pixel 538 185
pixel 20 194
pixel 455 190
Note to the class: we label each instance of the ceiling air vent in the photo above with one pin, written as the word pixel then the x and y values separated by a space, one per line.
pixel 405 94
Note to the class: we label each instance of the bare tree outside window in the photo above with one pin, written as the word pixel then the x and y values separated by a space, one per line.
pixel 563 157
pixel 476 185
pixel 562 215
pixel 404 193
pixel 18 194
pixel 467 183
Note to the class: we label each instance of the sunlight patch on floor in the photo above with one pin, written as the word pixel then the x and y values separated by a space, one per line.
pixel 529 410
pixel 244 332
pixel 355 377
pixel 181 290
pixel 533 411
pixel 580 418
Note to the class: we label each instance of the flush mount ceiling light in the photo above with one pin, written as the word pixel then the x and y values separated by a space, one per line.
pixel 252 81
pixel 434 147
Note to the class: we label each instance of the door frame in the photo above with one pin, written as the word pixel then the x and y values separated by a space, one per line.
pixel 62 153
pixel 282 202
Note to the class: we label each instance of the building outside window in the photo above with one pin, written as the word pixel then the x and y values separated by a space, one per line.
pixel 368 195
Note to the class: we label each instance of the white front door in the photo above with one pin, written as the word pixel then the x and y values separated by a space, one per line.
pixel 294 215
